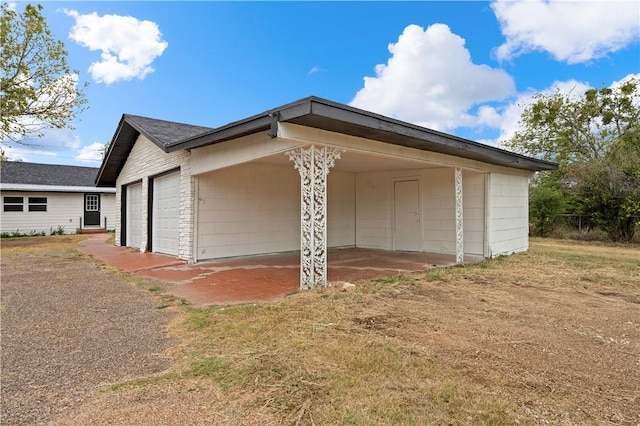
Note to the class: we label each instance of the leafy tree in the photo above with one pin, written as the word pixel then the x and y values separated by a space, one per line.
pixel 595 138
pixel 547 200
pixel 37 87
pixel 609 190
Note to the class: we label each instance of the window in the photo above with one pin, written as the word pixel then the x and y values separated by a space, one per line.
pixel 37 204
pixel 13 204
pixel 92 202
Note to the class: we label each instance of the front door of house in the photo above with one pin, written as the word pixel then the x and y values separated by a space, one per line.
pixel 91 209
pixel 407 223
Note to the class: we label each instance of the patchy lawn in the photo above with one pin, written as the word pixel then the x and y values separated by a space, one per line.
pixel 551 336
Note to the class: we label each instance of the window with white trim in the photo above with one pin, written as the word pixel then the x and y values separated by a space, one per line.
pixel 37 204
pixel 92 203
pixel 13 204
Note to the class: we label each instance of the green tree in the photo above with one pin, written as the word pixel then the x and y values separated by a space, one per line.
pixel 595 138
pixel 547 200
pixel 609 190
pixel 38 90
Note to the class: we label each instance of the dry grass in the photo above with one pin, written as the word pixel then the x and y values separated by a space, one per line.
pixel 548 336
pixel 551 336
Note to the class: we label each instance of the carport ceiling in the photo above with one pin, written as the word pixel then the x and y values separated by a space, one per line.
pixel 358 162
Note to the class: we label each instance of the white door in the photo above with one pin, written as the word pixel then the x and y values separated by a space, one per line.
pixel 166 208
pixel 407 227
pixel 133 236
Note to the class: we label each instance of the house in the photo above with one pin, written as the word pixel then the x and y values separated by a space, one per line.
pixel 48 197
pixel 309 176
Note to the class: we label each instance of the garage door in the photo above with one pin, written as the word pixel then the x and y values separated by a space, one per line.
pixel 166 206
pixel 134 216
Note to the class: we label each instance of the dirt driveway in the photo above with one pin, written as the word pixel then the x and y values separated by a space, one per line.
pixel 68 328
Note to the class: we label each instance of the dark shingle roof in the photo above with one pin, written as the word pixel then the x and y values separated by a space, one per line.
pixel 162 132
pixel 18 172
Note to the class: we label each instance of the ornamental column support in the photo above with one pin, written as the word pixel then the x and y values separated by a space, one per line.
pixel 459 217
pixel 313 164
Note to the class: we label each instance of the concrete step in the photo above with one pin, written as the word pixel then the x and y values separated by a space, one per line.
pixel 93 231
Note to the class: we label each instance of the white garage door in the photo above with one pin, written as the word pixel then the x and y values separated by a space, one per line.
pixel 134 216
pixel 166 206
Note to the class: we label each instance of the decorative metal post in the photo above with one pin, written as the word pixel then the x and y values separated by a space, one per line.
pixel 459 218
pixel 313 164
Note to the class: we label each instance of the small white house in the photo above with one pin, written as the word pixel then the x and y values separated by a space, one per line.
pixel 311 175
pixel 51 198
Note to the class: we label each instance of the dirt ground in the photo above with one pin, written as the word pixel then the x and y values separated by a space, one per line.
pixel 69 328
pixel 552 336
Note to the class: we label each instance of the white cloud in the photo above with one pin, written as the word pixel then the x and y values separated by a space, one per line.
pixel 624 79
pixel 51 138
pixel 91 153
pixel 571 31
pixel 430 80
pixel 128 46
pixel 21 153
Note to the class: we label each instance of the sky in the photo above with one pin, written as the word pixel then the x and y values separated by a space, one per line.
pixel 466 68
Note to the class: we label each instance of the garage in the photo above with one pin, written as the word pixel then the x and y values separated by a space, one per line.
pixel 165 214
pixel 134 215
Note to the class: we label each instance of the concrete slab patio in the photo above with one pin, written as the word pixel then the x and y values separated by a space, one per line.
pixel 254 279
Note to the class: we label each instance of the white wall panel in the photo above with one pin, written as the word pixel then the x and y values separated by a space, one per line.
pixel 341 209
pixel 63 209
pixel 509 214
pixel 248 209
pixel 473 194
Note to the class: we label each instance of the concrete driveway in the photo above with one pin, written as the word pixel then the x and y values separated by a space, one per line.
pixel 255 279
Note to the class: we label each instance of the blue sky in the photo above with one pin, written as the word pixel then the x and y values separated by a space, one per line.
pixel 465 68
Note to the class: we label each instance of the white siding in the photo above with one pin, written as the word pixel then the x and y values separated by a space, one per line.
pixel 63 209
pixel 508 213
pixel 108 211
pixel 374 210
pixel 439 210
pixel 473 202
pixel 145 160
pixel 437 197
pixel 254 208
pixel 341 209
pixel 248 209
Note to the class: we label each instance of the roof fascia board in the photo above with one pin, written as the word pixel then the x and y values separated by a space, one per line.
pixel 230 131
pixel 105 160
pixel 54 188
pixel 373 121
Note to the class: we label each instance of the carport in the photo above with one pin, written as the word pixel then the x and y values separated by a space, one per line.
pixel 312 190
pixel 315 175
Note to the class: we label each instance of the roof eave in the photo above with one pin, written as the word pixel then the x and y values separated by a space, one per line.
pixel 378 127
pixel 112 163
pixel 327 115
pixel 230 131
pixel 55 188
